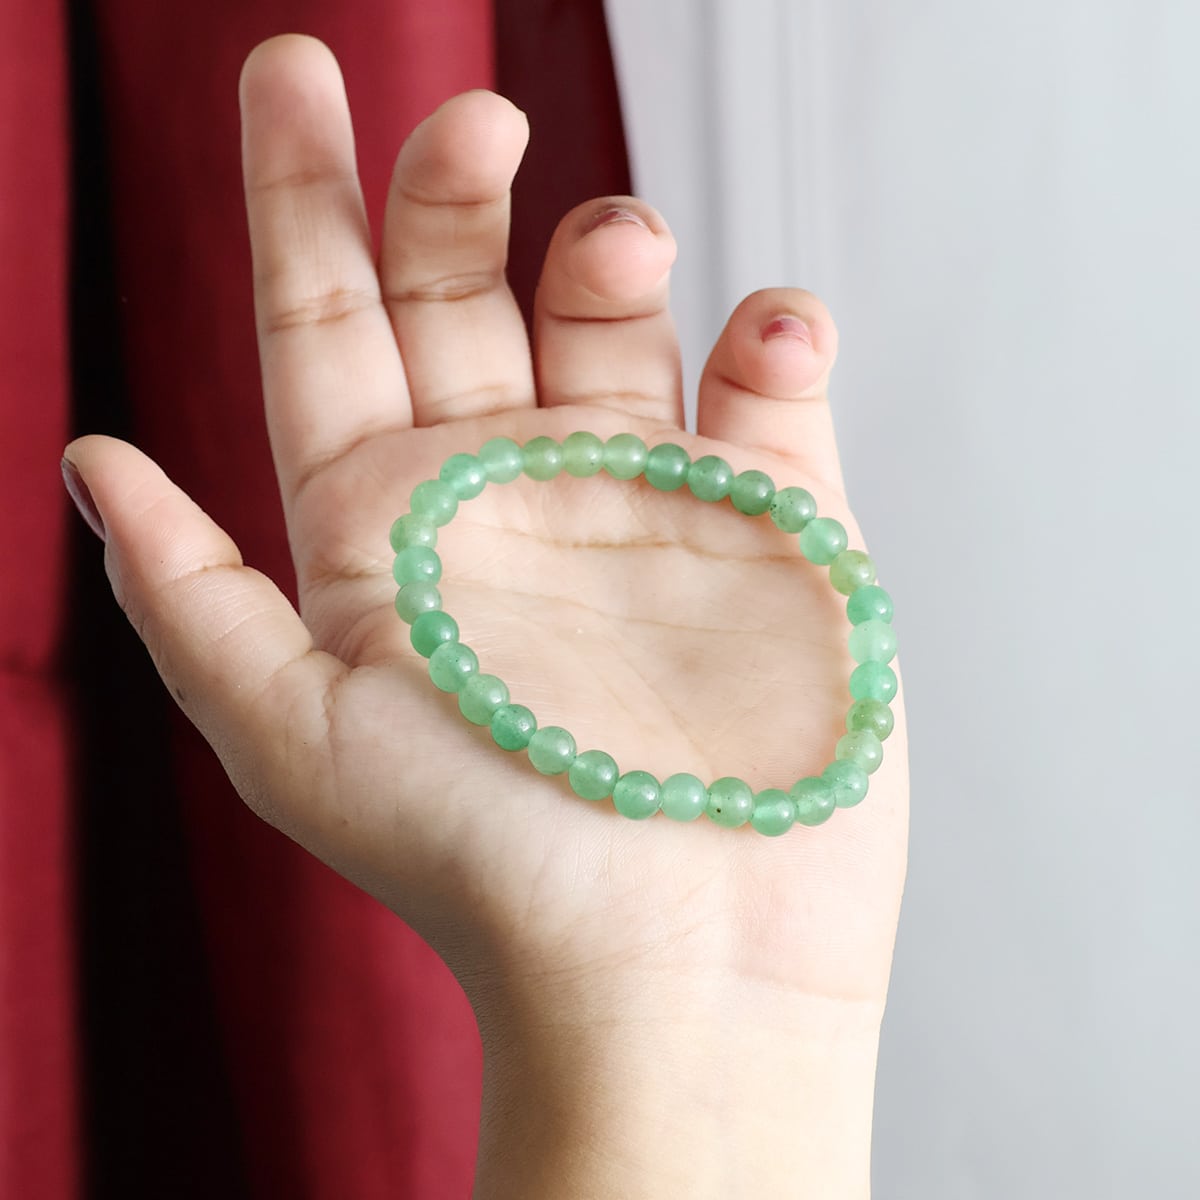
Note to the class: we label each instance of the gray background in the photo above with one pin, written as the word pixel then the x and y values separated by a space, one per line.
pixel 999 203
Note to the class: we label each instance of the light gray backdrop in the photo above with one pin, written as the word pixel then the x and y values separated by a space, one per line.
pixel 1000 204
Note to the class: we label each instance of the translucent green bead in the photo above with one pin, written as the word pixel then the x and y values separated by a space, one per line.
pixel 552 750
pixel 435 500
pixel 792 508
pixel 501 459
pixel 583 455
pixel 710 478
pixel 730 802
pixel 873 641
pixel 873 715
pixel 667 467
pixel 814 800
pixel 417 562
pixel 415 598
pixel 431 629
pixel 480 696
pixel 625 456
pixel 512 726
pixel 465 474
pixel 848 780
pixel 774 810
pixel 851 570
pixel 873 681
pixel 637 795
pixel 451 665
pixel 411 530
pixel 752 492
pixel 683 796
pixel 593 774
pixel 870 603
pixel 542 458
pixel 862 747
pixel 822 540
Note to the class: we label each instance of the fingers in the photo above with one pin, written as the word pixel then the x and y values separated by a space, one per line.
pixel 602 330
pixel 765 383
pixel 445 246
pixel 332 374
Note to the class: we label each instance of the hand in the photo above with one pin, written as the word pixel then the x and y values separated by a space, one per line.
pixel 676 635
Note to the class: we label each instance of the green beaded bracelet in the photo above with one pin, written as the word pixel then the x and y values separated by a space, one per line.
pixel 594 774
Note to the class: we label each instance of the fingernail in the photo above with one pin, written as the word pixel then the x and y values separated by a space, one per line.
pixel 78 491
pixel 787 326
pixel 612 216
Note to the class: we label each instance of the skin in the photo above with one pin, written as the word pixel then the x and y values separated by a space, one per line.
pixel 665 1010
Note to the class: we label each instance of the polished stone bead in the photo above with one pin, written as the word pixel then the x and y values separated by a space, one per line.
pixel 465 474
pixel 774 811
pixel 730 802
pixel 684 797
pixel 752 492
pixel 873 641
pixel 435 500
pixel 637 795
pixel 501 459
pixel 822 540
pixel 869 603
pixel 417 562
pixel 552 750
pixel 411 530
pixel 667 467
pixel 873 681
pixel 451 665
pixel 542 458
pixel 851 570
pixel 710 478
pixel 862 747
pixel 848 780
pixel 792 508
pixel 480 696
pixel 625 456
pixel 512 726
pixel 431 629
pixel 593 774
pixel 873 715
pixel 415 598
pixel 583 454
pixel 814 800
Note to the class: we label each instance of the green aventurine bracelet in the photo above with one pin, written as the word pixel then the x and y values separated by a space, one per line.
pixel 593 774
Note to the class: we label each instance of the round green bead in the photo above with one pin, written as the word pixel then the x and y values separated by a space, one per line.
pixel 774 811
pixel 593 774
pixel 431 629
pixel 873 681
pixel 417 563
pixel 480 696
pixel 873 641
pixel 583 454
pixel 512 726
pixel 451 665
pixel 501 459
pixel 822 540
pixel 851 570
pixel 684 797
pixel 415 598
pixel 873 715
pixel 465 474
pixel 752 492
pixel 667 467
pixel 625 456
pixel 552 750
pixel 411 530
pixel 637 795
pixel 730 802
pixel 869 603
pixel 814 800
pixel 862 747
pixel 848 780
pixel 792 508
pixel 542 458
pixel 435 500
pixel 710 478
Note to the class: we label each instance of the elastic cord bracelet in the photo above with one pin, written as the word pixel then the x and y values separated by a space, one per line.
pixel 593 774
